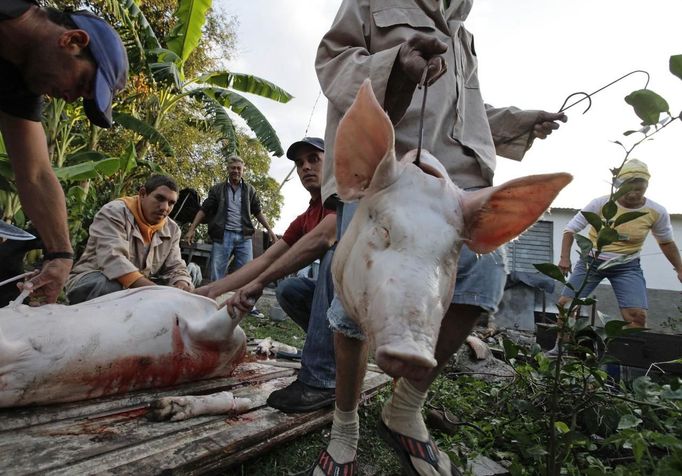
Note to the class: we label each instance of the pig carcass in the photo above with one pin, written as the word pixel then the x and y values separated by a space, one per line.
pixel 395 267
pixel 148 337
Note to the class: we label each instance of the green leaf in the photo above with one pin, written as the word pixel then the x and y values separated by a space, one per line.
pixel 247 83
pixel 87 170
pixel 186 34
pixel 628 216
pixel 128 160
pixel 605 237
pixel 629 421
pixel 561 427
pixel 614 328
pixel 511 350
pixel 85 156
pixel 145 130
pixel 647 105
pixel 219 119
pixel 676 65
pixel 256 121
pixel 593 219
pixel 551 270
pixel 167 73
pixel 609 209
pixel 585 245
pixel 586 302
pixel 622 190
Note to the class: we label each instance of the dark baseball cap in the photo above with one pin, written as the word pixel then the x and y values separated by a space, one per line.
pixel 316 142
pixel 110 56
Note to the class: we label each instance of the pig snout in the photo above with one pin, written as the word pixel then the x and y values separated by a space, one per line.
pixel 405 325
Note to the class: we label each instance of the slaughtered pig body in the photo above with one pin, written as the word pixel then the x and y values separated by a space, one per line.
pixel 395 266
pixel 143 338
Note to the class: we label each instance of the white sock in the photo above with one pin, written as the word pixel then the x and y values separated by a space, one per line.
pixel 343 443
pixel 402 414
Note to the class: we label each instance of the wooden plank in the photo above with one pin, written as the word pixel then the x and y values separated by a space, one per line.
pixel 111 436
pixel 15 418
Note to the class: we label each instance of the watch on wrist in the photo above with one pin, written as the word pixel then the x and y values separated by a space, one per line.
pixel 58 255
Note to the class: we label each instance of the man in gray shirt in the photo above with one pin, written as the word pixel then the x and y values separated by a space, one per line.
pixel 229 207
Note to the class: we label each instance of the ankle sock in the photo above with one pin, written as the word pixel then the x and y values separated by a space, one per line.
pixel 343 444
pixel 402 414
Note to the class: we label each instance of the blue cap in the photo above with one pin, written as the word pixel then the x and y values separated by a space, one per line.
pixel 110 55
pixel 316 142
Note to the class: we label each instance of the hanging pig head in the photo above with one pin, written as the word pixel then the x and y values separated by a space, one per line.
pixel 395 267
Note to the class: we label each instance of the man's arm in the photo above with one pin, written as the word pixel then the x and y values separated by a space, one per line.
pixel 565 257
pixel 174 267
pixel 514 129
pixel 671 252
pixel 263 221
pixel 244 274
pixel 311 246
pixel 41 197
pixel 198 218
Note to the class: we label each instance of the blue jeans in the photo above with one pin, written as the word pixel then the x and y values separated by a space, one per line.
pixel 295 297
pixel 627 281
pixel 318 362
pixel 233 242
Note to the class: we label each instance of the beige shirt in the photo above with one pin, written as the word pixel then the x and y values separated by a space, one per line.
pixel 364 41
pixel 115 247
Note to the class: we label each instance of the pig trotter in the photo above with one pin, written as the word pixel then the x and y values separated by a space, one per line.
pixel 182 408
pixel 407 447
pixel 330 467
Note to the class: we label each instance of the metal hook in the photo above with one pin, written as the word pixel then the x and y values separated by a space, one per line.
pixel 422 84
pixel 589 96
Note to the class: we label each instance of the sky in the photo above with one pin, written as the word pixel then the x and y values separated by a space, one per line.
pixel 532 54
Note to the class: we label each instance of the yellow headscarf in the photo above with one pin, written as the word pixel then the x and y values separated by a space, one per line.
pixel 147 230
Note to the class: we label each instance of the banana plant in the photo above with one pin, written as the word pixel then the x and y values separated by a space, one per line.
pixel 215 92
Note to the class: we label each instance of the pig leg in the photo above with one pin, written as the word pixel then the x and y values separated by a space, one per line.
pixel 182 408
pixel 218 328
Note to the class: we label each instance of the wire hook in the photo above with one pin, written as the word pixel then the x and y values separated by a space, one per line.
pixel 589 96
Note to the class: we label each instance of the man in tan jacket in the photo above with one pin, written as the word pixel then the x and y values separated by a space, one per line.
pixel 132 243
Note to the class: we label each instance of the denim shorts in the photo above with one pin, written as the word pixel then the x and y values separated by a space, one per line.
pixel 627 281
pixel 480 280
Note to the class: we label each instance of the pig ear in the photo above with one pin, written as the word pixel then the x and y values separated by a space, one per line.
pixel 495 215
pixel 363 139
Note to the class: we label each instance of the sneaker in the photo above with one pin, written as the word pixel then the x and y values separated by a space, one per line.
pixel 300 397
pixel 256 313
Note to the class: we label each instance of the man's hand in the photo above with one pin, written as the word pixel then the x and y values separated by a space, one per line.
pixel 272 236
pixel 565 265
pixel 543 122
pixel 206 291
pixel 679 275
pixel 189 236
pixel 419 52
pixel 49 282
pixel 184 285
pixel 243 300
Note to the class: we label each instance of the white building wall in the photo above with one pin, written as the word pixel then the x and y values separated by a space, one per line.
pixel 658 272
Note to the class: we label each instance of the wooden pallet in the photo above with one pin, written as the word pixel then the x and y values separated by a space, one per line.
pixel 111 435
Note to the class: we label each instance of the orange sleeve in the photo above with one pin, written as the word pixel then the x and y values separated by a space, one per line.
pixel 127 279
